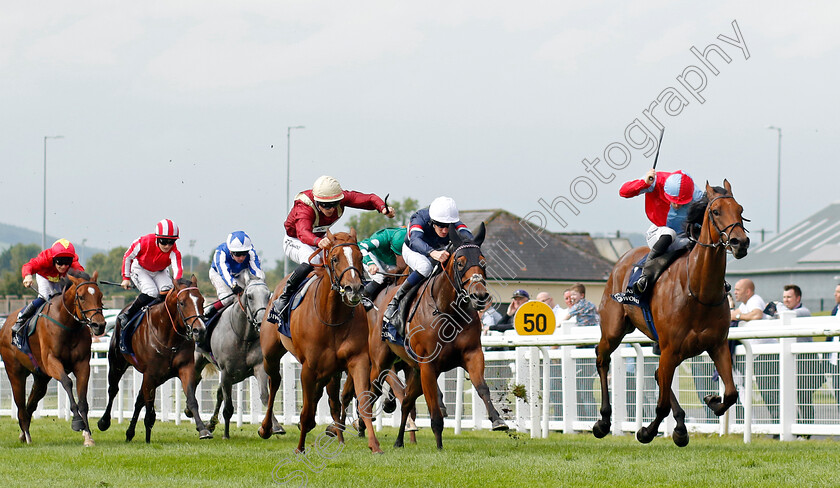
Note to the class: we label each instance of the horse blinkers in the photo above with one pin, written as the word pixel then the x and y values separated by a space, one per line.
pixel 468 258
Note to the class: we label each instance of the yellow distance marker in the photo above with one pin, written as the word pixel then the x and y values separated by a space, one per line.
pixel 534 318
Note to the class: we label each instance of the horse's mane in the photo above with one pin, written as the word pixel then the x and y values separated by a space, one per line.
pixel 697 212
pixel 184 282
pixel 75 273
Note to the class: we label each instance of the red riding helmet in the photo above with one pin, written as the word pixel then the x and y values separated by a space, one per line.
pixel 62 248
pixel 166 229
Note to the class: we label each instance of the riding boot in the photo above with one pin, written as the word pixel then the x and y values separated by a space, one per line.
pixel 292 284
pixel 208 315
pixel 372 288
pixel 651 267
pixel 392 314
pixel 25 314
pixel 141 301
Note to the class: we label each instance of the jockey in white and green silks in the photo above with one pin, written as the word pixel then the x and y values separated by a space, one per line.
pixel 379 253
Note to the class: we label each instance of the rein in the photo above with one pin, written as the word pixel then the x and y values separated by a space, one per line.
pixel 192 318
pixel 77 300
pixel 335 281
pixel 458 284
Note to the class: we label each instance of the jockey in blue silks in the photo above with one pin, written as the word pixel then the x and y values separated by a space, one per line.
pixel 232 260
pixel 425 244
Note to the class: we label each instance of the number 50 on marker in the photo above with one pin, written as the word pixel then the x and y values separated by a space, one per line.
pixel 534 318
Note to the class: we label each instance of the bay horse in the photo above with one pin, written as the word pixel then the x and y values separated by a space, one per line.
pixel 60 345
pixel 690 312
pixel 443 332
pixel 235 346
pixel 164 347
pixel 329 335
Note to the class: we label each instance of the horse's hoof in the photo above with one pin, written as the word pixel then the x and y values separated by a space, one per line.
pixel 279 430
pixel 129 435
pixel 377 451
pixel 643 437
pixel 205 434
pixel 264 433
pixel 104 424
pixel 412 428
pixel 78 424
pixel 88 440
pixel 500 424
pixel 212 425
pixel 398 443
pixel 680 438
pixel 225 436
pixel 601 429
pixel 188 412
pixel 389 405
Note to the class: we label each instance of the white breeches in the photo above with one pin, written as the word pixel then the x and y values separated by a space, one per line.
pixel 417 262
pixel 150 283
pixel 299 252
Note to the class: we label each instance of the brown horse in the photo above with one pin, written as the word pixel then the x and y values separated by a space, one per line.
pixel 690 313
pixel 60 345
pixel 444 332
pixel 329 335
pixel 164 346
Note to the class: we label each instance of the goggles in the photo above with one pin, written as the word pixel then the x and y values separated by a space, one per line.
pixel 166 242
pixel 238 254
pixel 328 204
pixel 63 261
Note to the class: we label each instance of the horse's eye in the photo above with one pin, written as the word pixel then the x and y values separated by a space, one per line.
pixel 716 213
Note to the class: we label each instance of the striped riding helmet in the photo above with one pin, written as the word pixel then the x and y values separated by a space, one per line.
pixel 166 229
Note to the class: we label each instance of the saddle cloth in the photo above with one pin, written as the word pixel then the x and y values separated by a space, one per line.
pixel 285 318
pixel 22 343
pixel 630 298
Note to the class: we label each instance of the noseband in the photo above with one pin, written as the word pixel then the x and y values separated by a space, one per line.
pixel 192 318
pixel 723 234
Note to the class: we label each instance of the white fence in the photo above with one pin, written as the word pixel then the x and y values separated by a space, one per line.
pixel 787 388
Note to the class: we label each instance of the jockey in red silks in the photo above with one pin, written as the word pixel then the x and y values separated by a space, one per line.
pixel 46 269
pixel 667 196
pixel 146 264
pixel 313 213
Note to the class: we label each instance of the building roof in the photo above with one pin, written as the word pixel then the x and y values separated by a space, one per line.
pixel 813 244
pixel 514 253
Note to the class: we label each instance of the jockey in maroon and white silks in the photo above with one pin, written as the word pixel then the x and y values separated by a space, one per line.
pixel 146 265
pixel 313 213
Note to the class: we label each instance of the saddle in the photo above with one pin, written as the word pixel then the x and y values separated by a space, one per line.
pixel 130 327
pixel 284 327
pixel 210 326
pixel 22 343
pixel 395 332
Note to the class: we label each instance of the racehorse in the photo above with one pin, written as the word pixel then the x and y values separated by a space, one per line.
pixel 689 308
pixel 235 346
pixel 60 345
pixel 443 332
pixel 164 347
pixel 329 335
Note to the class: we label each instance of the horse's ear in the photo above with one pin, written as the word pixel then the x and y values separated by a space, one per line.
pixel 709 189
pixel 330 235
pixel 727 186
pixel 193 280
pixel 479 235
pixel 454 236
pixel 352 233
pixel 95 276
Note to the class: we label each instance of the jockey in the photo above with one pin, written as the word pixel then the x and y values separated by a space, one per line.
pixel 147 263
pixel 46 269
pixel 379 253
pixel 313 213
pixel 667 196
pixel 233 259
pixel 425 242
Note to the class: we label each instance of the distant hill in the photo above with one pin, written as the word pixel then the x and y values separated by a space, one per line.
pixel 12 234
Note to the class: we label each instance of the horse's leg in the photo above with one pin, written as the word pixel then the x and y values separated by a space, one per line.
pixel 610 340
pixel 347 395
pixel 271 366
pixel 138 404
pixel 359 368
pixel 82 373
pixel 311 394
pixel 225 391
pixel 116 369
pixel 413 390
pixel 428 378
pixel 262 381
pixel 723 363
pixel 214 419
pixel 664 377
pixel 474 363
pixel 17 377
pixel 148 390
pixel 397 392
pixel 186 375
pixel 336 428
pixel 200 363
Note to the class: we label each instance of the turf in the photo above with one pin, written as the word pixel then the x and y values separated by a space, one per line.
pixel 176 457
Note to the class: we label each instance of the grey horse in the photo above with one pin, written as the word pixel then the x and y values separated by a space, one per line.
pixel 235 345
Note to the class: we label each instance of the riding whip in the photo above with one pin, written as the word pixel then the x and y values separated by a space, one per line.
pixel 656 159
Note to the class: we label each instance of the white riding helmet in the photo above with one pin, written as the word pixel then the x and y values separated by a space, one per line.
pixel 239 241
pixel 444 210
pixel 327 189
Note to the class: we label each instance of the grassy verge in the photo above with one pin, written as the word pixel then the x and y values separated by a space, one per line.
pixel 177 458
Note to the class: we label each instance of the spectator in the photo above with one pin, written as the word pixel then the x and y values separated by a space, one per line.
pixel 832 365
pixel 489 317
pixel 587 316
pixel 582 309
pixel 519 298
pixel 766 370
pixel 559 311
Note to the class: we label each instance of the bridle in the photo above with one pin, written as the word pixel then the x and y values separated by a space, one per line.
pixel 460 284
pixel 85 319
pixel 335 278
pixel 251 315
pixel 723 234
pixel 188 326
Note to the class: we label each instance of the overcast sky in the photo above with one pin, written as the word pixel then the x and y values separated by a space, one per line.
pixel 180 109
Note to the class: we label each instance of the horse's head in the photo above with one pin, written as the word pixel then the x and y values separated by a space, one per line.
pixel 343 264
pixel 254 300
pixel 466 266
pixel 186 300
pixel 724 222
pixel 87 301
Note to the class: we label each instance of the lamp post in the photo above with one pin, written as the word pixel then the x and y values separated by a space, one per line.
pixel 44 226
pixel 288 165
pixel 778 177
pixel 82 257
pixel 192 244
